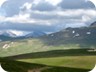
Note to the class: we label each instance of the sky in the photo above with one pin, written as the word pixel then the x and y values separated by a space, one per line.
pixel 46 15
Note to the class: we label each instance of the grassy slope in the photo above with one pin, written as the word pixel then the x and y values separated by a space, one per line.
pixel 29 46
pixel 80 59
pixel 83 62
pixel 15 66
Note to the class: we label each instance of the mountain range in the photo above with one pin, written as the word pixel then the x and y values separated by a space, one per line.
pixel 68 33
pixel 84 36
pixel 69 38
pixel 11 35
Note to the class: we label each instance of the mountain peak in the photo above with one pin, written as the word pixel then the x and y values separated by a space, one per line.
pixel 12 33
pixel 17 33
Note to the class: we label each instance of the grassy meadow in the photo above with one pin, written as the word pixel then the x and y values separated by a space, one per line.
pixel 32 55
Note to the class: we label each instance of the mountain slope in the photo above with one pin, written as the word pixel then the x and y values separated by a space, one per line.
pixel 93 24
pixel 69 38
pixel 82 36
pixel 14 35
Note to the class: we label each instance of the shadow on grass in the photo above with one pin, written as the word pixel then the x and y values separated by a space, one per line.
pixel 54 53
pixel 16 66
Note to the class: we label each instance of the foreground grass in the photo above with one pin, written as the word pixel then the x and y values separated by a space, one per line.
pixel 85 62
pixel 71 58
pixel 16 66
pixel 32 54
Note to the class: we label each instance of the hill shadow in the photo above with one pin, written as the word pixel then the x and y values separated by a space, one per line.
pixel 16 66
pixel 54 53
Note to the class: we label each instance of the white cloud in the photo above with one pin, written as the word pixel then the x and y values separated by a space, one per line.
pixel 54 2
pixel 94 2
pixel 21 18
pixel 2 1
pixel 79 15
pixel 60 17
pixel 37 1
pixel 26 5
pixel 25 18
pixel 46 13
pixel 75 25
pixel 85 18
pixel 18 33
pixel 2 19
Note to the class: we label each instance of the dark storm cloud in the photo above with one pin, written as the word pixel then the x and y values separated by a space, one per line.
pixel 76 4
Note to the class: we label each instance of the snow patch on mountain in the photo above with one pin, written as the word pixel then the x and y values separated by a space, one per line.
pixel 13 33
pixel 17 33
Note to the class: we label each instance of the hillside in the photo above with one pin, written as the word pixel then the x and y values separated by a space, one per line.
pixel 71 48
pixel 93 24
pixel 70 38
pixel 83 37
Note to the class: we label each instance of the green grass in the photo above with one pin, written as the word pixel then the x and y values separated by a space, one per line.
pixel 77 58
pixel 16 66
pixel 29 46
pixel 33 54
pixel 84 62
pixel 60 59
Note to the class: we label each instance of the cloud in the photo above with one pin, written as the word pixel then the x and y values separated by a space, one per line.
pixel 56 19
pixel 94 2
pixel 79 15
pixel 2 1
pixel 26 27
pixel 43 6
pixel 44 15
pixel 12 7
pixel 76 4
pixel 26 6
pixel 53 2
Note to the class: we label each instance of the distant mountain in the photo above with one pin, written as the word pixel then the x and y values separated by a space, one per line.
pixel 93 24
pixel 4 38
pixel 65 35
pixel 71 35
pixel 35 34
pixel 6 35
pixel 11 35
